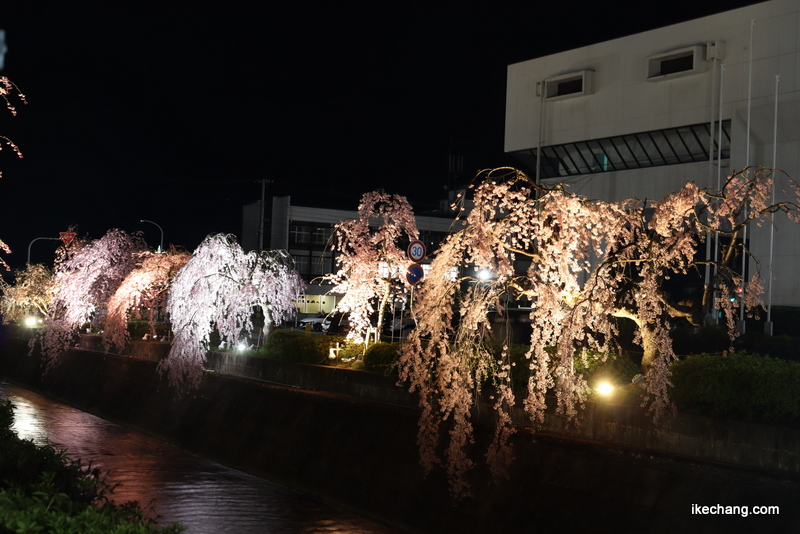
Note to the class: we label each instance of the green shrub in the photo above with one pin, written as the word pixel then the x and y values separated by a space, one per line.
pixel 380 357
pixel 41 490
pixel 738 386
pixel 299 347
pixel 350 351
pixel 520 365
pixel 617 368
pixel 706 340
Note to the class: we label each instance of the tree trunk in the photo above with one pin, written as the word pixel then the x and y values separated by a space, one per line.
pixel 649 347
pixel 649 341
pixel 382 308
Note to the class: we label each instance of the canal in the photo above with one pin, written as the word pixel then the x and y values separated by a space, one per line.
pixel 173 485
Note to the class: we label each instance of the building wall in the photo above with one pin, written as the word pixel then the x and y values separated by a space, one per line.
pixel 619 99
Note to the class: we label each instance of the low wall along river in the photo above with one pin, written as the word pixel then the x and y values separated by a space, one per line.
pixel 349 439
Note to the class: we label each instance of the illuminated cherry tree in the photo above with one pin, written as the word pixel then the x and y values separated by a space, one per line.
pixel 370 257
pixel 31 293
pixel 142 293
pixel 582 263
pixel 217 289
pixel 7 90
pixel 85 282
pixel 4 248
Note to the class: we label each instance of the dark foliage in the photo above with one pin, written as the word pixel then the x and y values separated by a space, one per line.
pixel 738 386
pixel 299 347
pixel 380 357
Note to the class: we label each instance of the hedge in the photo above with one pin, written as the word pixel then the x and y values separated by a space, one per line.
pixel 738 386
pixel 299 347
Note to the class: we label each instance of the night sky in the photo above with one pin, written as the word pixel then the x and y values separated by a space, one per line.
pixel 175 111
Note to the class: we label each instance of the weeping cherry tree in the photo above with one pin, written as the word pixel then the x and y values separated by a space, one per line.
pixel 582 264
pixel 8 89
pixel 143 293
pixel 31 293
pixel 217 289
pixel 84 283
pixel 370 255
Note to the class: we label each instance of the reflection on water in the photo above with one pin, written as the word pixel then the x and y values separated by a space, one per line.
pixel 174 485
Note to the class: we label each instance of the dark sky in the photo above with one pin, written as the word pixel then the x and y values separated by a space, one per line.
pixel 174 111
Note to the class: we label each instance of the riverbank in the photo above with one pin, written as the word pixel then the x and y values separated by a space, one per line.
pixel 362 455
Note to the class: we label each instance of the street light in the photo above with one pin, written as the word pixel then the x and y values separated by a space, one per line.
pixel 37 239
pixel 161 246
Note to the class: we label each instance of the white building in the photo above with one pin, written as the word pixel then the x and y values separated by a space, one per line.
pixel 639 116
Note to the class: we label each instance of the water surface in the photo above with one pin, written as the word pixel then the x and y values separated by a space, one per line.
pixel 173 485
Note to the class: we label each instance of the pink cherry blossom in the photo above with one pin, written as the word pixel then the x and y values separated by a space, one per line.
pixel 217 289
pixel 371 260
pixel 143 293
pixel 582 264
pixel 84 283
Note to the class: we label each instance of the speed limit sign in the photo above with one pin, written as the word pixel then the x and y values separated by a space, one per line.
pixel 416 251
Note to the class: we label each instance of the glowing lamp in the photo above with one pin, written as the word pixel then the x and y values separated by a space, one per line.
pixel 604 388
pixel 30 321
pixel 484 274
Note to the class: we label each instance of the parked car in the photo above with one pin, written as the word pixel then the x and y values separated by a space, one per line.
pixel 336 323
pixel 315 322
pixel 399 328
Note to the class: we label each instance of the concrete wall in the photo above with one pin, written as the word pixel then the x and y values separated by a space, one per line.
pixel 717 440
pixel 362 455
pixel 361 384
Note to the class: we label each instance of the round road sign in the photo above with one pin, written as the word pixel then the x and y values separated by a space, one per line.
pixel 416 250
pixel 415 274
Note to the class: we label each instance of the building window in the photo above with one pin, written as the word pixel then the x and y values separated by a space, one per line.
pixel 301 264
pixel 321 234
pixel 565 87
pixel 672 146
pixel 321 264
pixel 676 63
pixel 300 233
pixel 307 233
pixel 569 85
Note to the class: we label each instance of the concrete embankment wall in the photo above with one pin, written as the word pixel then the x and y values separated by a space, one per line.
pixel 743 444
pixel 362 455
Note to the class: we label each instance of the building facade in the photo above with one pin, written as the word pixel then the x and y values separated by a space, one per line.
pixel 641 115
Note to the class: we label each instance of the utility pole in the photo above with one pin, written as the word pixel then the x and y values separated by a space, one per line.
pixel 264 183
pixel 37 239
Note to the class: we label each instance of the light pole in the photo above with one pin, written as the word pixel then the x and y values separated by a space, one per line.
pixel 161 246
pixel 37 239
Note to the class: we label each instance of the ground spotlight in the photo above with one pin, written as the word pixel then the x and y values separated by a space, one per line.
pixel 604 388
